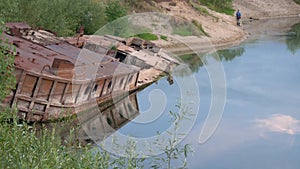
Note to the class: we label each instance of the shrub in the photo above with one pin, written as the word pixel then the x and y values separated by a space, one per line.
pixel 223 6
pixel 20 147
pixel 61 16
pixel 114 10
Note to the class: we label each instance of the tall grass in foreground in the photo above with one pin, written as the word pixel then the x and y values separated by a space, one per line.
pixel 21 148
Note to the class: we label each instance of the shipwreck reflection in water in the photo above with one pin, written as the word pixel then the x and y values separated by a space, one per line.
pixel 107 121
pixel 95 124
pixel 101 123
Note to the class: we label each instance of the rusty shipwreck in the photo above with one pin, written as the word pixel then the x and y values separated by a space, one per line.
pixel 58 78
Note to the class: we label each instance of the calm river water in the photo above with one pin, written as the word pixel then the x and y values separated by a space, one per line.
pixel 260 127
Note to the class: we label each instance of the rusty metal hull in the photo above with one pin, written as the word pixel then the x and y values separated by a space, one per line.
pixel 48 86
pixel 40 97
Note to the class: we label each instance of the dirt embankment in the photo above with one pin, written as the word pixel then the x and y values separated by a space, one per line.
pixel 267 8
pixel 221 28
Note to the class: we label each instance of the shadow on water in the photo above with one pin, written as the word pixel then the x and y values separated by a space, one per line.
pixel 293 38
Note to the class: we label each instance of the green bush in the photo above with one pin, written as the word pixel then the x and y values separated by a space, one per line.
pixel 61 16
pixel 114 10
pixel 21 147
pixel 297 1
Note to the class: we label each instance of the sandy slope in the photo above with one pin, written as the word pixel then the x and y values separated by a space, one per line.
pixel 222 28
pixel 267 8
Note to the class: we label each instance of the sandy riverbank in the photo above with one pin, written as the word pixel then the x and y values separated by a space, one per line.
pixel 267 8
pixel 222 29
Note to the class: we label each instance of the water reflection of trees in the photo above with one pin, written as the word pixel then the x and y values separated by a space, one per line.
pixel 293 38
pixel 193 61
pixel 230 54
pixel 196 61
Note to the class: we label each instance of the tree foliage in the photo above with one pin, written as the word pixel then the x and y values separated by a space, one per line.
pixel 114 10
pixel 61 16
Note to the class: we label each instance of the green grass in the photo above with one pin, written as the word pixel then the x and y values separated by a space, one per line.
pixel 22 146
pixel 199 8
pixel 202 10
pixel 164 37
pixel 194 29
pixel 147 36
pixel 185 28
pixel 199 26
pixel 222 6
pixel 183 31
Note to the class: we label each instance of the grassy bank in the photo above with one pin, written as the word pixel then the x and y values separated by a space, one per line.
pixel 64 17
pixel 222 6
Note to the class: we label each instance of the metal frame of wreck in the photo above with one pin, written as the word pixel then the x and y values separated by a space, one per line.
pixel 42 96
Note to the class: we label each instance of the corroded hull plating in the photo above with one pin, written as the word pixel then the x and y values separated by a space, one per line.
pixel 40 97
pixel 52 82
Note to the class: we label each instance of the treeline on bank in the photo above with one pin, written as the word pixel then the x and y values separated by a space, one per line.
pixel 64 17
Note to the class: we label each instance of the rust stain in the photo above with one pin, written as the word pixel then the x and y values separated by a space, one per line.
pixel 59 77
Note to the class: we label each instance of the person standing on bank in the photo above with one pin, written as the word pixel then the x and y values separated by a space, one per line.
pixel 238 17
